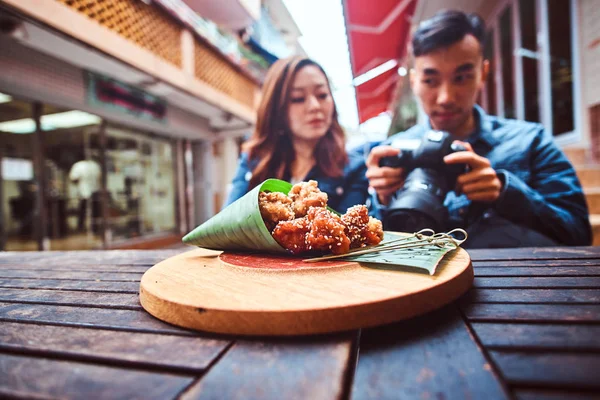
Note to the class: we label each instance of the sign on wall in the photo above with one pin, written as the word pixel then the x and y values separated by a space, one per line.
pixel 120 97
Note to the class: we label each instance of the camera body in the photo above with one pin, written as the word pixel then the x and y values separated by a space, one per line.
pixel 419 203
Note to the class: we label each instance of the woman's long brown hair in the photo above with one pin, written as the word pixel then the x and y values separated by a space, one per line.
pixel 271 142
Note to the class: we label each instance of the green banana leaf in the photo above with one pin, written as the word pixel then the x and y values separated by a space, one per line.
pixel 240 226
pixel 424 258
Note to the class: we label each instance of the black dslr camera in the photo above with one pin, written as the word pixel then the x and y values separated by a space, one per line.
pixel 419 203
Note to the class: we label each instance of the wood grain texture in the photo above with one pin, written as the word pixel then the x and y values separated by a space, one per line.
pixel 195 290
pixel 72 298
pixel 428 357
pixel 536 253
pixel 142 350
pixel 87 258
pixel 73 275
pixel 132 320
pixel 311 368
pixel 135 269
pixel 538 336
pixel 538 282
pixel 581 262
pixel 559 370
pixel 518 295
pixel 533 316
pixel 32 377
pixel 57 284
pixel 538 271
pixel 533 312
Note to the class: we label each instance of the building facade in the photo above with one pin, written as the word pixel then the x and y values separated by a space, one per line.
pixel 120 120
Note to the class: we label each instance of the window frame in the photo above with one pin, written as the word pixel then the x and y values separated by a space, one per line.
pixel 544 73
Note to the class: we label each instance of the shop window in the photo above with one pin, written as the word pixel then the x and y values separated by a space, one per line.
pixel 140 184
pixel 73 176
pixel 529 59
pixel 19 186
pixel 506 51
pixel 561 65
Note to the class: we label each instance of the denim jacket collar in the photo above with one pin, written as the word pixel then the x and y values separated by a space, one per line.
pixel 484 131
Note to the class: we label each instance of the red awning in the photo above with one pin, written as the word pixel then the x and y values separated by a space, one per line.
pixel 378 31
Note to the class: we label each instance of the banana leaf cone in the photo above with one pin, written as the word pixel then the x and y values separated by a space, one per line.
pixel 239 226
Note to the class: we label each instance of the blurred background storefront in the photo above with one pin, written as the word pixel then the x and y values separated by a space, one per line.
pixel 121 120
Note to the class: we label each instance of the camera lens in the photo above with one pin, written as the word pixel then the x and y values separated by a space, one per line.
pixel 419 204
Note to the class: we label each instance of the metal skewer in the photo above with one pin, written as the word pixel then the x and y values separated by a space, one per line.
pixel 423 240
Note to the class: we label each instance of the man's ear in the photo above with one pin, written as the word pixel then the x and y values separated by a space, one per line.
pixel 485 69
pixel 412 77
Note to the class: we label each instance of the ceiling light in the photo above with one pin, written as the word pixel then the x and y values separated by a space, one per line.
pixel 4 98
pixel 50 122
pixel 402 71
pixel 25 125
pixel 69 119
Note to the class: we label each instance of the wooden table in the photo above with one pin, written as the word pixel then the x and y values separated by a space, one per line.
pixel 72 327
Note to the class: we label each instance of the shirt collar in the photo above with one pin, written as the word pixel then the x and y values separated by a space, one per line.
pixel 484 130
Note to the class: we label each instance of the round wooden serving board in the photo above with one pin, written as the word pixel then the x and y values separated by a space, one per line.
pixel 276 295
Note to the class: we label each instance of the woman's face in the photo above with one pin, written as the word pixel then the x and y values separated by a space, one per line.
pixel 310 106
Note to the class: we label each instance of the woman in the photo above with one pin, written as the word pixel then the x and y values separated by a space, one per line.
pixel 298 138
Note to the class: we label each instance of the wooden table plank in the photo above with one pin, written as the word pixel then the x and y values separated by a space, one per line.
pixel 567 313
pixel 135 269
pixel 432 356
pixel 538 282
pixel 538 336
pixel 132 320
pixel 311 368
pixel 536 271
pixel 552 370
pixel 525 253
pixel 32 377
pixel 570 296
pixel 73 275
pixel 582 262
pixel 94 257
pixel 75 298
pixel 167 352
pixel 56 284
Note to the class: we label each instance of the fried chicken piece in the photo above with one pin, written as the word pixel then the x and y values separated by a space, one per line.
pixel 275 207
pixel 305 195
pixel 356 220
pixel 291 235
pixel 327 231
pixel 374 233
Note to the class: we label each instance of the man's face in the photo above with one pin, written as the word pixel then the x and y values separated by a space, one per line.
pixel 447 82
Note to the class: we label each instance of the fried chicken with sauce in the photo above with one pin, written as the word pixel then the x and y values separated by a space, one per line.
pixel 305 195
pixel 275 207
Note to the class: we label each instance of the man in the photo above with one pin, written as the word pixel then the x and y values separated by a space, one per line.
pixel 520 190
pixel 85 174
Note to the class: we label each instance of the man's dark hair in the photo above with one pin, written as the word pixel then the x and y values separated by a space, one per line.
pixel 445 28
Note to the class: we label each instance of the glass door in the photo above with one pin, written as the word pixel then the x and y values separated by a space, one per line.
pixel 19 189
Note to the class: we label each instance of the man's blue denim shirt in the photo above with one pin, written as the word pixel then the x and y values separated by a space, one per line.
pixel 540 188
pixel 343 192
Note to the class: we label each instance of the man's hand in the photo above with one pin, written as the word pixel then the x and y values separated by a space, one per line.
pixel 482 182
pixel 385 180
